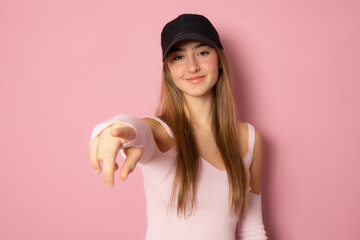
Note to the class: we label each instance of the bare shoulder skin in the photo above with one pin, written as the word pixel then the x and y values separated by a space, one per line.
pixel 163 141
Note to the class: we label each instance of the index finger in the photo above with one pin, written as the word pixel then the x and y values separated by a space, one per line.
pixel 109 166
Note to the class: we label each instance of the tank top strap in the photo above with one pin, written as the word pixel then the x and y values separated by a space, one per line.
pixel 167 128
pixel 251 140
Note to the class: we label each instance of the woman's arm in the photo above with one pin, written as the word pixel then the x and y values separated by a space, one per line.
pixel 122 132
pixel 251 225
pixel 256 165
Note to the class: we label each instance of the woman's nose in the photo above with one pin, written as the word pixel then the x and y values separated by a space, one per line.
pixel 193 65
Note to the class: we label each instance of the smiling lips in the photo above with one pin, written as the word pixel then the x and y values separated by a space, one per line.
pixel 195 79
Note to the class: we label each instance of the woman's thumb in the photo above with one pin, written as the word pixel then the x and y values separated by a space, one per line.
pixel 125 132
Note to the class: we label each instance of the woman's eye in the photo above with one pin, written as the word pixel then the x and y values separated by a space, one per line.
pixel 177 57
pixel 204 52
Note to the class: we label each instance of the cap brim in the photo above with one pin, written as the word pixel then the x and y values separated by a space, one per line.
pixel 189 36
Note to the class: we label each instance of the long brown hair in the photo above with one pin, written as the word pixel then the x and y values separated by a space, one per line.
pixel 225 131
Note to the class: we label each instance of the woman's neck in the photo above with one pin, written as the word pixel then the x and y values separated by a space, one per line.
pixel 201 110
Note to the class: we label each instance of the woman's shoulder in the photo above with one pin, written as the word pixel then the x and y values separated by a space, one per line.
pixel 158 126
pixel 243 128
pixel 242 124
pixel 161 136
pixel 152 123
pixel 155 125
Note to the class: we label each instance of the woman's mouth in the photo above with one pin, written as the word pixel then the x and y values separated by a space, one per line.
pixel 195 79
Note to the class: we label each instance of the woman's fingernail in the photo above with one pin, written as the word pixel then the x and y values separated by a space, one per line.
pixel 97 170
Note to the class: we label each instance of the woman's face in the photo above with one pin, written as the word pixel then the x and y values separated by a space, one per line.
pixel 194 67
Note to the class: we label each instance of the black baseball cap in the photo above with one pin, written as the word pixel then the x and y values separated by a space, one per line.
pixel 188 27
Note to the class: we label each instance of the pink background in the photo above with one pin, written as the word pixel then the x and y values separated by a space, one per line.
pixel 68 65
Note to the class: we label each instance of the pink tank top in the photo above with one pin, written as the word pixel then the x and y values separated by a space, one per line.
pixel 211 217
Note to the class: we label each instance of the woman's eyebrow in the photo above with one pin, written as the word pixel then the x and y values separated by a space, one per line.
pixel 180 49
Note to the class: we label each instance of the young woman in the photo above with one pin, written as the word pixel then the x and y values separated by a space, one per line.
pixel 201 166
